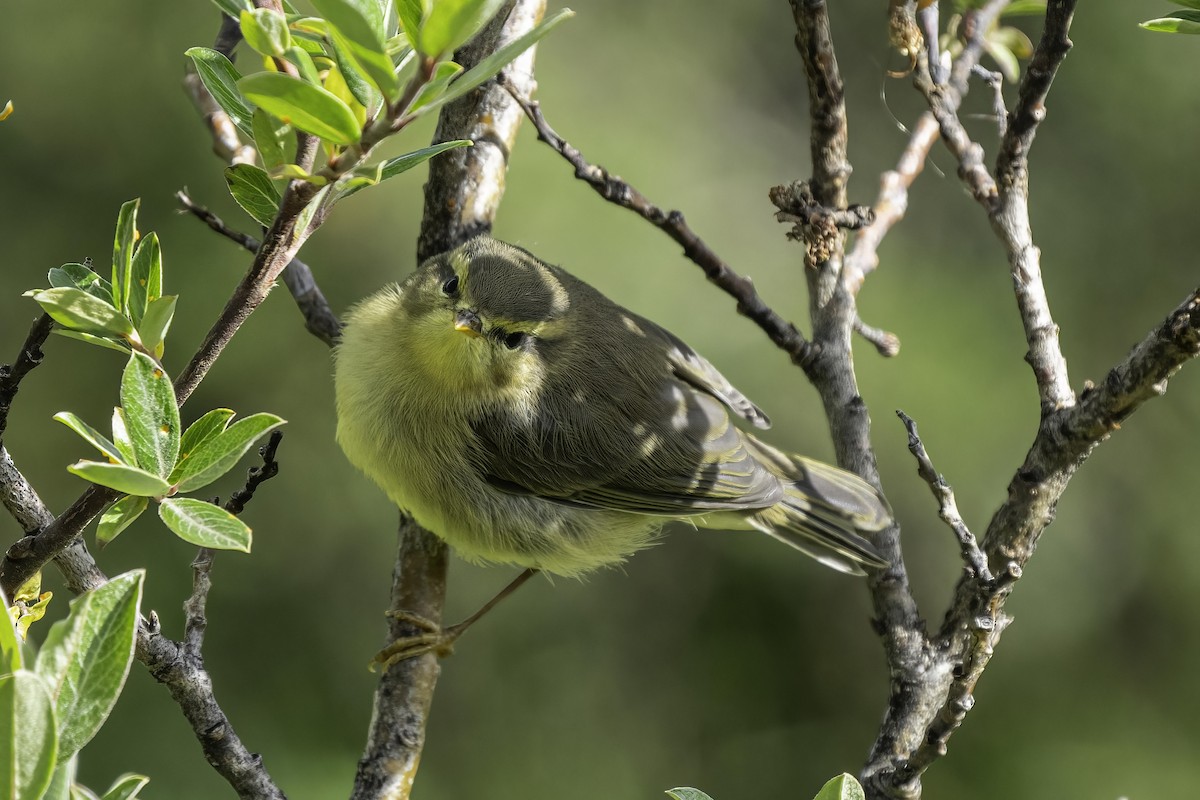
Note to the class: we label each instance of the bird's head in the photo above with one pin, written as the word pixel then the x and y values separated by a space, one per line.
pixel 484 318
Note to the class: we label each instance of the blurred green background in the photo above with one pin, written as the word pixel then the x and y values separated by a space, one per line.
pixel 719 661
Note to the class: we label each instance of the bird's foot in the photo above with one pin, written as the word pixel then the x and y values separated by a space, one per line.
pixel 430 638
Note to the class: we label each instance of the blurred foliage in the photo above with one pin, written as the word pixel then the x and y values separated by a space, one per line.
pixel 713 660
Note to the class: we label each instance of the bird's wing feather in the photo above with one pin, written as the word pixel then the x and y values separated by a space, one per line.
pixel 676 457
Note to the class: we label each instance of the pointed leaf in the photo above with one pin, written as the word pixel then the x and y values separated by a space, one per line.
pixel 81 276
pixel 10 645
pixel 394 166
pixel 442 75
pixel 119 517
pixel 687 793
pixel 350 73
pixel 93 436
pixel 497 61
pixel 130 480
pixel 76 309
pixel 305 64
pixel 96 340
pixel 1179 22
pixel 200 432
pixel 271 137
pixel 218 454
pixel 220 77
pixel 86 658
pixel 126 787
pixel 452 22
pixel 28 742
pixel 843 787
pixel 358 32
pixel 233 7
pixel 123 252
pixel 156 322
pixel 204 524
pixel 310 108
pixel 145 284
pixel 253 190
pixel 151 414
pixel 305 218
pixel 80 792
pixel 411 13
pixel 63 780
pixel 121 437
pixel 266 31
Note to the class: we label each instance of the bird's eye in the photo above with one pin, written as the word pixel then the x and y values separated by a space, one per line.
pixel 514 340
pixel 450 287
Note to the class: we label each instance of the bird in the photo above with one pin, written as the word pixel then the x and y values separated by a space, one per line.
pixel 525 418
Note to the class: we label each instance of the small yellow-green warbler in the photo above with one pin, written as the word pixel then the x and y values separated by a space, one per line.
pixel 525 418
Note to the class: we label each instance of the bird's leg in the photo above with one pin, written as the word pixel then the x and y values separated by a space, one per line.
pixel 433 638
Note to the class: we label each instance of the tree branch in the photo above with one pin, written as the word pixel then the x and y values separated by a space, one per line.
pixel 29 357
pixel 615 190
pixel 461 198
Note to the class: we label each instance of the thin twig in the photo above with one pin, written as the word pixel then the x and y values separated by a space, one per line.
pixel 612 188
pixel 995 80
pixel 255 476
pixel 947 506
pixel 29 357
pixel 319 319
pixel 886 343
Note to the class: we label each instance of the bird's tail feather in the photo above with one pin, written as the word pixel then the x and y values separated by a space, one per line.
pixel 824 512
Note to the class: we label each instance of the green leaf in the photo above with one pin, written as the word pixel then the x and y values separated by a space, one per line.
pixel 121 437
pixel 304 219
pixel 123 252
pixel 497 61
pixel 1179 22
pixel 442 75
pixel 10 645
pixel 81 276
pixel 200 432
pixel 80 792
pixel 218 454
pixel 86 658
pixel 266 31
pixel 411 13
pixel 233 7
pixel 151 414
pixel 156 323
pixel 126 787
pixel 28 741
pixel 93 436
pixel 452 22
pixel 843 787
pixel 123 478
pixel 351 74
pixel 253 190
pixel 220 77
pixel 358 33
pixel 687 793
pixel 304 62
pixel 310 108
pixel 96 340
pixel 394 166
pixel 145 283
pixel 204 524
pixel 63 781
pixel 119 517
pixel 271 137
pixel 76 309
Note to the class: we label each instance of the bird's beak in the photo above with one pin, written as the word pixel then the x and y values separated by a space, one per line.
pixel 467 321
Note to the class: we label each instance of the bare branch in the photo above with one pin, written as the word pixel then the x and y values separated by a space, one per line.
pixel 319 319
pixel 29 357
pixel 256 476
pixel 886 343
pixel 615 190
pixel 947 506
pixel 21 499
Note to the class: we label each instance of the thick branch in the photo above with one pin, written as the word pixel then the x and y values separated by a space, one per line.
pixel 461 198
pixel 615 190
